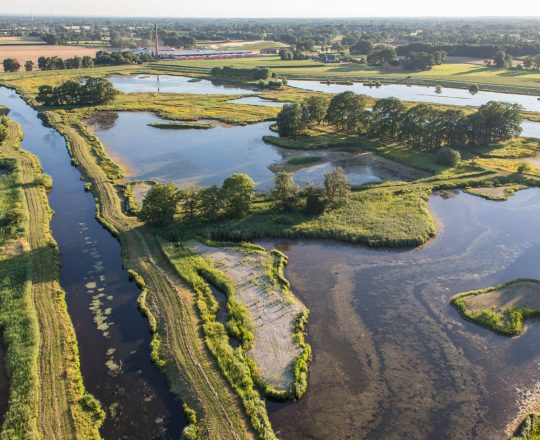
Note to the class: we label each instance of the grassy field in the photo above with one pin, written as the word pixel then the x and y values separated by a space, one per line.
pixel 47 398
pixel 376 217
pixel 457 75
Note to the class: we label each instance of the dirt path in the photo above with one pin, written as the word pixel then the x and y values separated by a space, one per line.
pixel 59 413
pixel 273 311
pixel 190 367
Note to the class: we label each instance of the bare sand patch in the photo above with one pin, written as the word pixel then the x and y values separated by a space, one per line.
pixel 495 193
pixel 273 309
pixel 32 52
pixel 521 294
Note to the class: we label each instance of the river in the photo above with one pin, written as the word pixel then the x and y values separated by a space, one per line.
pixel 392 358
pixel 113 336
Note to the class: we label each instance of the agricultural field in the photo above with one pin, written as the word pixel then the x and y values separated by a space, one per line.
pixel 25 52
pixel 451 75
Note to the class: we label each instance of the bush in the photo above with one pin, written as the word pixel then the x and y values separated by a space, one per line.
pixel 448 157
pixel 527 168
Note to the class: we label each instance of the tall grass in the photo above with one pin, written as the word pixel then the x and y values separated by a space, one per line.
pixel 375 218
pixel 18 319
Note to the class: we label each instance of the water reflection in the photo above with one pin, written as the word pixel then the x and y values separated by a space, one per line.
pixel 207 157
pixel 448 96
pixel 174 84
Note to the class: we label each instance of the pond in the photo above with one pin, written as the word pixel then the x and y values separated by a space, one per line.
pixel 174 84
pixel 392 358
pixel 450 96
pixel 207 157
pixel 530 129
pixel 113 336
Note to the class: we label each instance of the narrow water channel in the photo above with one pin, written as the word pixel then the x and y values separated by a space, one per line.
pixel 392 358
pixel 113 337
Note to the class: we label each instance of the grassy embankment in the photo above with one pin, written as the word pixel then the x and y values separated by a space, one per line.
pixel 501 308
pixel 47 398
pixel 172 310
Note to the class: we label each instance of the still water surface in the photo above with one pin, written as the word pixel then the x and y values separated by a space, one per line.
pixel 113 336
pixel 392 358
pixel 174 84
pixel 450 96
pixel 205 157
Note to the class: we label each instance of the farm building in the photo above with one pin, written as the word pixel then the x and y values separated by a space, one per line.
pixel 193 54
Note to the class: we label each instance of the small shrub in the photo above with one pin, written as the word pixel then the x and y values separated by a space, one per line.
pixel 448 157
pixel 527 168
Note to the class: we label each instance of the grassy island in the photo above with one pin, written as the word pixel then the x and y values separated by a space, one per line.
pixel 501 308
pixel 181 125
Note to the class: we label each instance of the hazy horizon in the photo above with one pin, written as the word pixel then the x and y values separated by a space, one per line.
pixel 278 9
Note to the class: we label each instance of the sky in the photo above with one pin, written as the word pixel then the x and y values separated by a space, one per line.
pixel 275 8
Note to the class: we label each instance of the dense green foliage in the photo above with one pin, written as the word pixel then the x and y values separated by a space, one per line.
pixel 93 91
pixel 381 54
pixel 448 157
pixel 159 204
pixel 286 192
pixel 418 61
pixel 337 187
pixel 238 193
pixel 422 125
pixel 254 74
pixel 529 429
pixel 11 65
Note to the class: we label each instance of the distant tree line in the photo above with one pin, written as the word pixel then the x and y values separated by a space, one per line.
pixel 102 58
pixel 92 92
pixel 422 125
pixel 472 50
pixel 250 74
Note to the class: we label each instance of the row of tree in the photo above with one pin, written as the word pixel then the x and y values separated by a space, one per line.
pixel 102 58
pixel 92 92
pixel 233 200
pixel 251 74
pixel 422 125
pixel 236 196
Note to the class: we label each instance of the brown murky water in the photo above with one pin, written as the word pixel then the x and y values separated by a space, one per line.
pixel 392 358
